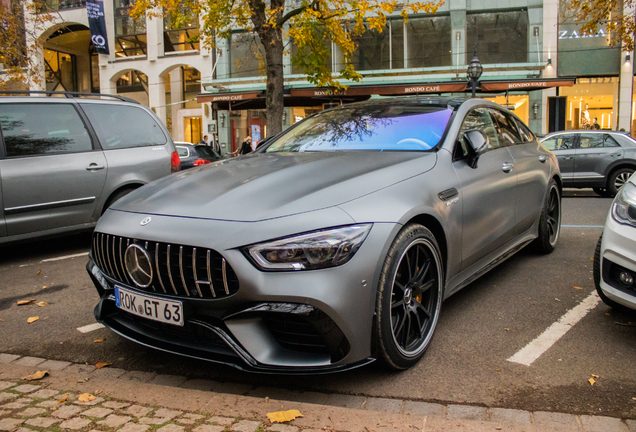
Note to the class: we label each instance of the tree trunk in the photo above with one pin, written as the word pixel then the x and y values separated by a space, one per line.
pixel 274 99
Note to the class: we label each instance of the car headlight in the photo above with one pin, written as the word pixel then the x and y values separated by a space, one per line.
pixel 624 207
pixel 315 250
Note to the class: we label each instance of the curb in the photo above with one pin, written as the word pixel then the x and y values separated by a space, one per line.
pixel 321 411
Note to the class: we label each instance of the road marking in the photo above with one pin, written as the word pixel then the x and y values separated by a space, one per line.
pixel 582 226
pixel 537 347
pixel 65 257
pixel 91 327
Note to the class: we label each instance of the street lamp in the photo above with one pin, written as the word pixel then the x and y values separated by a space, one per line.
pixel 475 69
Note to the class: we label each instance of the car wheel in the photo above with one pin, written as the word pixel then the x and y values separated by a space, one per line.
pixel 601 191
pixel 617 179
pixel 409 297
pixel 597 279
pixel 550 222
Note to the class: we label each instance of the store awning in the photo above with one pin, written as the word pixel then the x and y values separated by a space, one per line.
pixel 512 85
pixel 385 90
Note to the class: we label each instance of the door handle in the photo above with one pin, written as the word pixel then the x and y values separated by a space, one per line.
pixel 507 167
pixel 94 167
pixel 543 158
pixel 565 157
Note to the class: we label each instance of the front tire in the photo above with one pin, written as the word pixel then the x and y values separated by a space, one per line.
pixel 409 297
pixel 617 179
pixel 550 222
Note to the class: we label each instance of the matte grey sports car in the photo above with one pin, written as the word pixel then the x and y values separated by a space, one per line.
pixel 334 244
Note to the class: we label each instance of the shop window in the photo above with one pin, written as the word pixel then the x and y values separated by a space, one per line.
pixel 94 70
pixel 373 51
pixel 590 101
pixel 132 81
pixel 519 104
pixel 246 55
pixel 191 87
pixel 501 37
pixel 181 38
pixel 130 34
pixel 59 5
pixel 60 71
pixel 294 51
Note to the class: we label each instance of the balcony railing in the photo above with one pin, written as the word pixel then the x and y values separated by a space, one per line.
pixel 60 5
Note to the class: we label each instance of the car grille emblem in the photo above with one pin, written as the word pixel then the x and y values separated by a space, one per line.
pixel 138 265
pixel 146 221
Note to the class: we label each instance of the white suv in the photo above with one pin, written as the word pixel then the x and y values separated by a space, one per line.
pixel 615 257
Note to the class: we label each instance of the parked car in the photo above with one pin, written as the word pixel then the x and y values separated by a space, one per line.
pixel 602 160
pixel 615 256
pixel 334 244
pixel 192 155
pixel 63 163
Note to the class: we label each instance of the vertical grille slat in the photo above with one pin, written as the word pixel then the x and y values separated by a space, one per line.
pixel 210 275
pixel 110 258
pixel 158 267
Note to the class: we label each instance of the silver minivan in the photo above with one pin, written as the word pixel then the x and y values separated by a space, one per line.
pixel 64 161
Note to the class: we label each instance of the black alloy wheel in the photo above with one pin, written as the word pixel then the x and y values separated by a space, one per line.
pixel 410 297
pixel 550 222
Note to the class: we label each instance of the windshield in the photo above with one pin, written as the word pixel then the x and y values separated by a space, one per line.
pixel 367 128
pixel 207 152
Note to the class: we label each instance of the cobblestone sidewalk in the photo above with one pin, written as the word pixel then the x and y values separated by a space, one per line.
pixel 29 407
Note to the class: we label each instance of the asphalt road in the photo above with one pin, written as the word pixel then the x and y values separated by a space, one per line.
pixel 479 329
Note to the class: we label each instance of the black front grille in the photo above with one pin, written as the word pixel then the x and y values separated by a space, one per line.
pixel 178 270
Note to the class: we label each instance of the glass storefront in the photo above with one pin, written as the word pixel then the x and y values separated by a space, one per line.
pixel 60 71
pixel 519 104
pixel 501 37
pixel 246 55
pixel 591 101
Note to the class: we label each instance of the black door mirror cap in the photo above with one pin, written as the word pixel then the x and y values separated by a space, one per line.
pixel 477 146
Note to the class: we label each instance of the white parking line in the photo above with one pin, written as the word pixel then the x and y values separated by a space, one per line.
pixel 65 257
pixel 534 349
pixel 91 327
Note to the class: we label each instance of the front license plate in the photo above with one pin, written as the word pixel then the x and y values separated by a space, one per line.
pixel 154 308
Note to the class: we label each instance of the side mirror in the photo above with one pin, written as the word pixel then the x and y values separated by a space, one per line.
pixel 478 145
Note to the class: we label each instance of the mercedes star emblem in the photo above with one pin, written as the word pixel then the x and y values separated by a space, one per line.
pixel 146 221
pixel 138 265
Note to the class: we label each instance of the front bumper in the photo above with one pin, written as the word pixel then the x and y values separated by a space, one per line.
pixel 304 322
pixel 618 254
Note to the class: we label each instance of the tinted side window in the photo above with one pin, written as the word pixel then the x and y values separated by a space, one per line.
pixel 479 119
pixel 610 142
pixel 591 140
pixel 120 126
pixel 526 135
pixel 39 129
pixel 182 151
pixel 506 128
pixel 559 142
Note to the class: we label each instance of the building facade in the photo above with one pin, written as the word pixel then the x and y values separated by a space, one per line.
pixel 533 54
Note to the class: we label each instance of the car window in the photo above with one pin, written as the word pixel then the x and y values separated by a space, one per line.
pixel 479 119
pixel 506 128
pixel 559 142
pixel 526 135
pixel 39 129
pixel 387 127
pixel 182 151
pixel 610 142
pixel 207 152
pixel 121 126
pixel 591 141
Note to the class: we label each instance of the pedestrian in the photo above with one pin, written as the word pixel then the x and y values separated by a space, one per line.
pixel 246 147
pixel 204 141
pixel 216 146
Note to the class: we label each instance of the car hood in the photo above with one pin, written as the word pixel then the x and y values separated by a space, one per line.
pixel 271 185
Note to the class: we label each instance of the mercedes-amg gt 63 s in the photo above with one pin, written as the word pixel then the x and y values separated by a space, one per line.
pixel 332 245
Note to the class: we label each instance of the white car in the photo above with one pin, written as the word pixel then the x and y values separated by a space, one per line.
pixel 615 257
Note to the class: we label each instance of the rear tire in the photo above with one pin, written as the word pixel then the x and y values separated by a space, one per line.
pixel 409 298
pixel 597 280
pixel 617 179
pixel 550 221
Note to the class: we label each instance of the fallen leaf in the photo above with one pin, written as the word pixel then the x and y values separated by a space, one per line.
pixel 86 397
pixel 44 287
pixel 42 304
pixel 36 376
pixel 592 258
pixel 33 319
pixel 63 398
pixel 25 302
pixel 266 399
pixel 557 299
pixel 1 320
pixel 98 392
pixel 498 370
pixel 591 381
pixel 577 287
pixel 595 376
pixel 83 380
pixel 283 416
pixel 101 365
pixel 98 340
pixel 39 272
pixel 625 324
